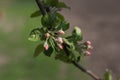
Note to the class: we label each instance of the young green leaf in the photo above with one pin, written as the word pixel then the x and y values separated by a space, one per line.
pixel 49 51
pixel 107 75
pixel 61 17
pixel 50 2
pixel 63 57
pixel 33 37
pixel 39 49
pixel 49 19
pixel 36 14
pixel 64 25
pixel 62 5
pixel 77 34
pixel 45 20
pixel 51 42
pixel 69 45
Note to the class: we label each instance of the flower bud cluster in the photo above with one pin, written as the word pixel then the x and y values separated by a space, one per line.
pixel 46 46
pixel 89 47
pixel 59 41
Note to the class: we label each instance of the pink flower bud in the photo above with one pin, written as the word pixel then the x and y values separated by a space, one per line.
pixel 46 46
pixel 61 32
pixel 59 40
pixel 60 46
pixel 89 47
pixel 88 43
pixel 47 35
pixel 87 53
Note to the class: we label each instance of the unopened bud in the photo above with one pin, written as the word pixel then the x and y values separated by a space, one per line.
pixel 60 46
pixel 61 32
pixel 46 46
pixel 88 53
pixel 88 42
pixel 59 40
pixel 89 47
pixel 47 35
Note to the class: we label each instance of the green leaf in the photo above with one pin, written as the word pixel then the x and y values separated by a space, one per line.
pixel 51 42
pixel 38 50
pixel 76 56
pixel 33 37
pixel 77 34
pixel 61 17
pixel 64 25
pixel 49 19
pixel 45 20
pixel 63 57
pixel 107 75
pixel 36 14
pixel 49 51
pixel 69 45
pixel 50 2
pixel 62 5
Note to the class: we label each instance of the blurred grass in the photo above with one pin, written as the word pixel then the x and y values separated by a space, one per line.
pixel 20 65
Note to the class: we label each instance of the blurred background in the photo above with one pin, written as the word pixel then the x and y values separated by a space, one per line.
pixel 99 21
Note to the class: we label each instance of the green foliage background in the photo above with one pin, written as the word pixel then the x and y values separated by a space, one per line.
pixel 16 51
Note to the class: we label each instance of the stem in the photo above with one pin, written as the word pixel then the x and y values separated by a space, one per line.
pixel 40 7
pixel 43 9
pixel 86 71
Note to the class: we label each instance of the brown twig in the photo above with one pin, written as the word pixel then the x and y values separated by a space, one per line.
pixel 40 7
pixel 86 71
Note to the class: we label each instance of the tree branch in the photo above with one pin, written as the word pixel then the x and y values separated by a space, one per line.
pixel 74 62
pixel 40 7
pixel 86 71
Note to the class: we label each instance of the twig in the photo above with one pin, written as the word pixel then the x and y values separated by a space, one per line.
pixel 40 7
pixel 86 71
